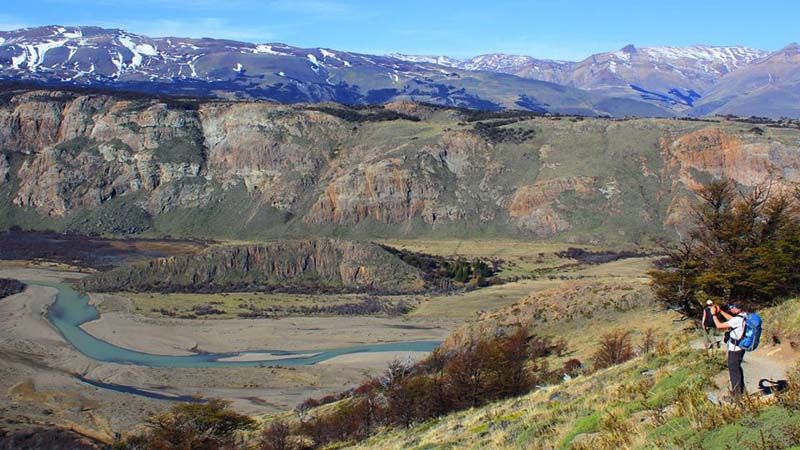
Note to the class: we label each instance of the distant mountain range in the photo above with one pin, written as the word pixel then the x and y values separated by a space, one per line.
pixel 651 81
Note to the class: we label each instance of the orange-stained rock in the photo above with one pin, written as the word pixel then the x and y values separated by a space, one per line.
pixel 720 154
pixel 693 158
pixel 531 207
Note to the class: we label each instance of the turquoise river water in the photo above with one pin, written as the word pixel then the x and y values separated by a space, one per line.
pixel 72 309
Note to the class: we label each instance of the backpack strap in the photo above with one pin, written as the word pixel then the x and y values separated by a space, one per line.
pixel 744 330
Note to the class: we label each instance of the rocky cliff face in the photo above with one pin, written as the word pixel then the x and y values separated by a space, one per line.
pixel 237 169
pixel 694 158
pixel 531 206
pixel 296 266
pixel 4 168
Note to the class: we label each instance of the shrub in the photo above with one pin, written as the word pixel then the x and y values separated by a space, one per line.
pixel 573 367
pixel 10 287
pixel 416 399
pixel 199 426
pixel 275 436
pixel 352 420
pixel 469 374
pixel 790 398
pixel 649 341
pixel 614 348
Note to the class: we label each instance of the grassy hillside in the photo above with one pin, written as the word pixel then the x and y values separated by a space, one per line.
pixel 663 398
pixel 657 401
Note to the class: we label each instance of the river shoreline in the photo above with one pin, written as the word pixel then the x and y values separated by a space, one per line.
pixel 38 367
pixel 71 310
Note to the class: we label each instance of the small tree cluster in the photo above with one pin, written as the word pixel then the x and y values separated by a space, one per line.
pixel 197 426
pixel 744 247
pixel 475 272
pixel 10 287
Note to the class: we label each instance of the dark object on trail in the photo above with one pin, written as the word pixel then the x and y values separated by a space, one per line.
pixel 768 387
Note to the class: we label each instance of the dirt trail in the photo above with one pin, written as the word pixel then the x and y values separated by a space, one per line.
pixel 768 362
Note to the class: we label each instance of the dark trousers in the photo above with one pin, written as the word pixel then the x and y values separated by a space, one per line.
pixel 735 371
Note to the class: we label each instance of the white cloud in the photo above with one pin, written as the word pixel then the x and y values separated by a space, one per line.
pixel 312 7
pixel 194 28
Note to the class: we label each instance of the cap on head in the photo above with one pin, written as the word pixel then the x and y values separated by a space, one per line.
pixel 709 303
pixel 735 305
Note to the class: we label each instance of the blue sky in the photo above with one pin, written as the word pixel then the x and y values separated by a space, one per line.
pixel 559 29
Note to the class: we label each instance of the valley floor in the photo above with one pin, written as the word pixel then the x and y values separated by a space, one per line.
pixel 38 366
pixel 38 385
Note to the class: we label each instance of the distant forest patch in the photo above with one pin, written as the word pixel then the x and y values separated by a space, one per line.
pixel 589 257
pixel 10 287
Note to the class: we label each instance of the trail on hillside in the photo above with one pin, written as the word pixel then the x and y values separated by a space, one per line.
pixel 768 362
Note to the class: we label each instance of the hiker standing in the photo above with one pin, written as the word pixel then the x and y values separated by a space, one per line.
pixel 735 324
pixel 710 328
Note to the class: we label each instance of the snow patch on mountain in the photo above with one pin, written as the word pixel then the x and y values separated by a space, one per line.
pixel 735 56
pixel 427 59
pixel 329 54
pixel 137 49
pixel 37 52
pixel 267 49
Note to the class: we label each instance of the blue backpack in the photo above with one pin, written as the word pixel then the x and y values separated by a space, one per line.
pixel 752 333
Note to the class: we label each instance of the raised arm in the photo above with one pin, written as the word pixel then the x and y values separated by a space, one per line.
pixel 725 314
pixel 717 323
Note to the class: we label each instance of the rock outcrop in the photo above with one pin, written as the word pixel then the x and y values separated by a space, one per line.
pixel 90 162
pixel 693 158
pixel 292 266
pixel 531 207
pixel 4 168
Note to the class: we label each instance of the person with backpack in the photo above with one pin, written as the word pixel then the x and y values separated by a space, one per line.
pixel 710 328
pixel 743 334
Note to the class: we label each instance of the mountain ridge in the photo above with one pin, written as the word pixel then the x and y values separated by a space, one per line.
pixel 637 81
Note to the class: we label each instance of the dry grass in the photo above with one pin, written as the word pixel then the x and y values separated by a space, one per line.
pixel 782 324
pixel 150 304
pixel 613 409
pixel 651 402
pixel 519 258
pixel 467 305
pixel 571 308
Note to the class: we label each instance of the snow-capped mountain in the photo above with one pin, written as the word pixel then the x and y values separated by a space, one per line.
pixel 116 59
pixel 86 53
pixel 677 75
pixel 638 81
pixel 672 76
pixel 429 59
pixel 519 65
pixel 767 87
pixel 522 66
